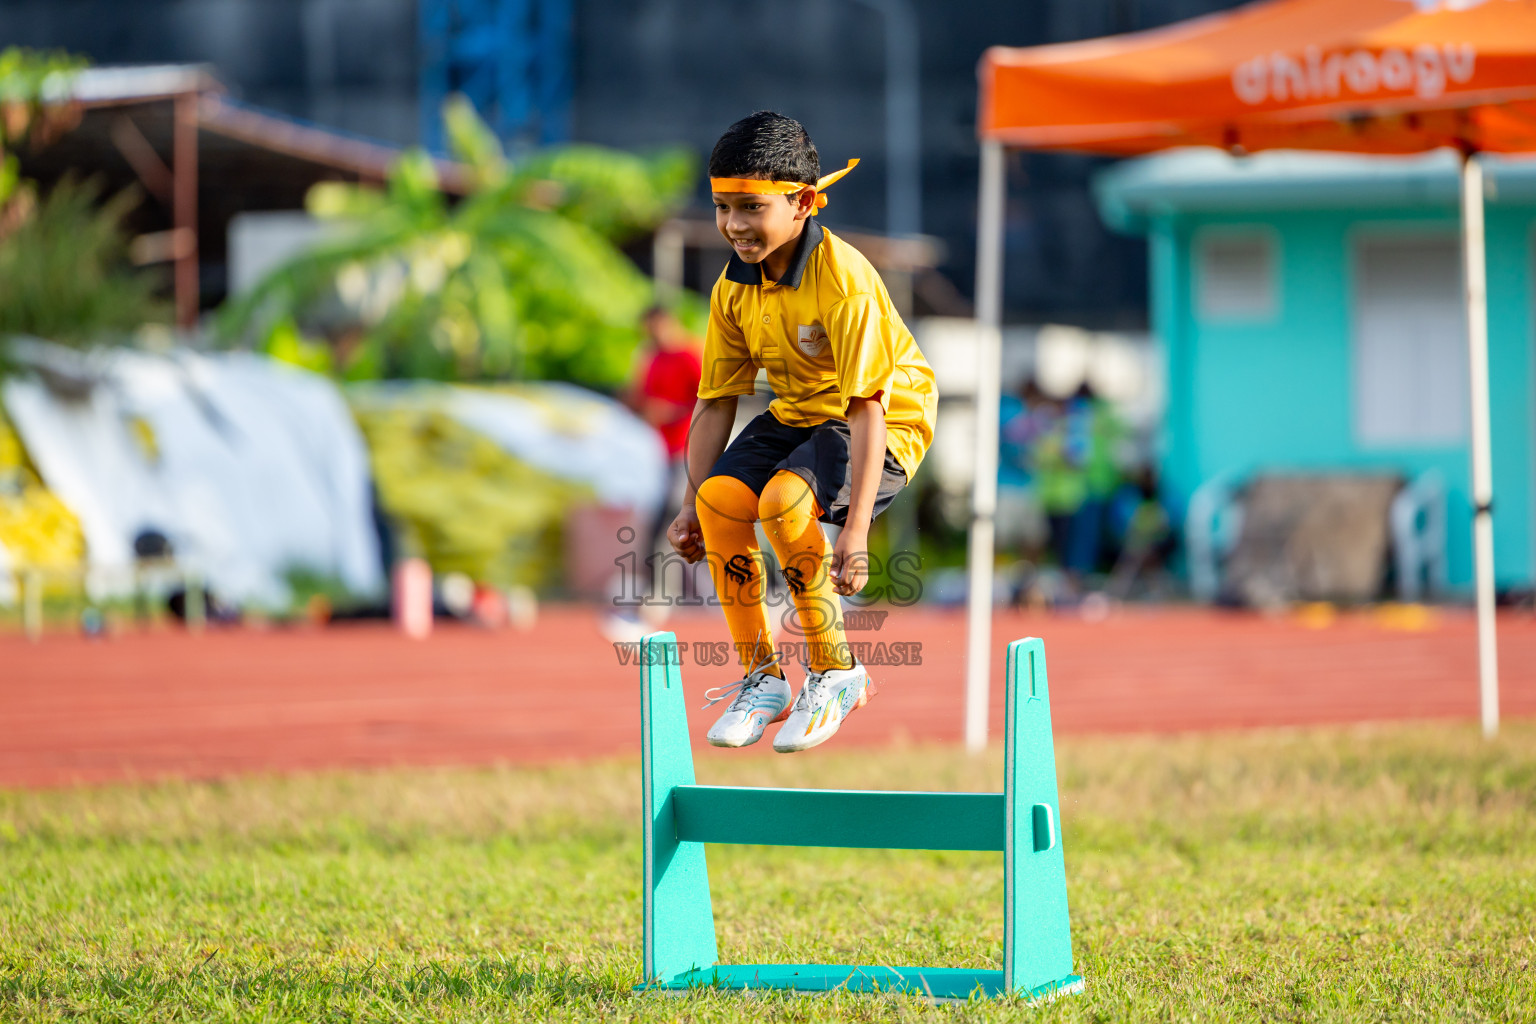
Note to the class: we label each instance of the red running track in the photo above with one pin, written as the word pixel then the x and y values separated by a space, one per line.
pixel 165 704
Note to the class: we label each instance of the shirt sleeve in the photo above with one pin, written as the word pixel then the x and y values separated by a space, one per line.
pixel 863 348
pixel 728 367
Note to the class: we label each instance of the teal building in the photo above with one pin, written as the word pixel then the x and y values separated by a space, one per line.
pixel 1310 312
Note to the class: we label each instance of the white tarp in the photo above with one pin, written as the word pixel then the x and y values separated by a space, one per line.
pixel 260 469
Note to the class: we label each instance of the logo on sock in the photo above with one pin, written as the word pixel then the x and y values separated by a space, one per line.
pixel 739 568
pixel 795 579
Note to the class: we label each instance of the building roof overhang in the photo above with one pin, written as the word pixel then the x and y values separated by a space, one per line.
pixel 1206 180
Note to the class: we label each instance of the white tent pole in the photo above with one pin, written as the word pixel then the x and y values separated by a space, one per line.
pixel 1475 273
pixel 989 318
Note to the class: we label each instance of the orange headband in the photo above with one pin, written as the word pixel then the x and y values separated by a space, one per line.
pixel 759 187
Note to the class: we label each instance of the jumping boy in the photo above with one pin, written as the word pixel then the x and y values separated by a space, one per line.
pixel 852 416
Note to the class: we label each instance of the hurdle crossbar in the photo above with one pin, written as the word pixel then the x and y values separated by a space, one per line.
pixel 871 820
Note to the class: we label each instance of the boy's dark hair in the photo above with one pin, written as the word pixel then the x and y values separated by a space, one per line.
pixel 766 145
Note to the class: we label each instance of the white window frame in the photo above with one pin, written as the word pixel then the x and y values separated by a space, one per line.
pixel 1356 239
pixel 1269 312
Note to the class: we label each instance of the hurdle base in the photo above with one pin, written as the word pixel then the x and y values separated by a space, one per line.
pixel 941 984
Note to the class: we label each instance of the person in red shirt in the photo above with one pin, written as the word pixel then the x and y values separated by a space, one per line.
pixel 670 368
pixel 663 395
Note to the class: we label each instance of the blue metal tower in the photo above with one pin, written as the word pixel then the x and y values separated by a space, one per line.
pixel 511 58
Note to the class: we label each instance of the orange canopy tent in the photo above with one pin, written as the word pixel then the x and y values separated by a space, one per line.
pixel 1365 76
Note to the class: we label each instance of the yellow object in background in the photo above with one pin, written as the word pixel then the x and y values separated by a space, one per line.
pixel 1317 615
pixel 143 434
pixel 1407 618
pixel 462 501
pixel 37 530
pixel 12 458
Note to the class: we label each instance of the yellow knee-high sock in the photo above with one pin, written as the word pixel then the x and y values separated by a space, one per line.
pixel 727 513
pixel 789 510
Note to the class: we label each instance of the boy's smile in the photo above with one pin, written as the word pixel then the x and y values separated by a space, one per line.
pixel 763 229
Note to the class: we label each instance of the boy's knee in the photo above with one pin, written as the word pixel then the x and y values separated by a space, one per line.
pixel 713 488
pixel 727 497
pixel 787 495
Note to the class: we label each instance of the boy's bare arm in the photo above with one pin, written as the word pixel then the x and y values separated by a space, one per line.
pixel 850 555
pixel 707 437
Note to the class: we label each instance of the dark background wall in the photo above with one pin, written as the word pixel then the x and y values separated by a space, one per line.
pixel 653 72
pixel 349 64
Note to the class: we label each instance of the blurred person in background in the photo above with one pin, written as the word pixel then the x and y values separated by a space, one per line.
pixel 1076 468
pixel 1143 533
pixel 1021 523
pixel 663 392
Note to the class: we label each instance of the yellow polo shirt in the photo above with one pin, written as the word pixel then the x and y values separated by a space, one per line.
pixel 825 332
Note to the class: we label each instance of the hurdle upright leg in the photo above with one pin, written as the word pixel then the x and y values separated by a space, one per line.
pixel 679 917
pixel 1037 936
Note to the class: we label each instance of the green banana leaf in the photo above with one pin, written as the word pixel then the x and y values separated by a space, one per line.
pixel 520 279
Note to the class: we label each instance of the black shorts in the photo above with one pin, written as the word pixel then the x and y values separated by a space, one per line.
pixel 819 455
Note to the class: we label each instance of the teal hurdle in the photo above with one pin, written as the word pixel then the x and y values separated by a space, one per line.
pixel 1023 821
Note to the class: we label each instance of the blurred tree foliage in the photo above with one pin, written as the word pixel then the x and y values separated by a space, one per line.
pixel 33 104
pixel 521 278
pixel 64 268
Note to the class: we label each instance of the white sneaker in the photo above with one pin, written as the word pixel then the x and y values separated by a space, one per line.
pixel 825 700
pixel 761 698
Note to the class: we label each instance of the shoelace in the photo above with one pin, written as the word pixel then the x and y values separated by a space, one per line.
pixel 742 687
pixel 810 695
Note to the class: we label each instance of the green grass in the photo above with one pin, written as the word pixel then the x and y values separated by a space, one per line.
pixel 1370 874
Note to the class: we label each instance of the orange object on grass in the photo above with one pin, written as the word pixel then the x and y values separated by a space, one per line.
pixel 1363 76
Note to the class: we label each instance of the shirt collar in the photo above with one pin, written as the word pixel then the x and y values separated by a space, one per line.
pixel 739 271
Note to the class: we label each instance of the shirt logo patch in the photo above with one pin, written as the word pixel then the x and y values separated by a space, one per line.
pixel 812 340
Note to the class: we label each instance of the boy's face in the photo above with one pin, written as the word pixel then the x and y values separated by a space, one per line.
pixel 757 225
